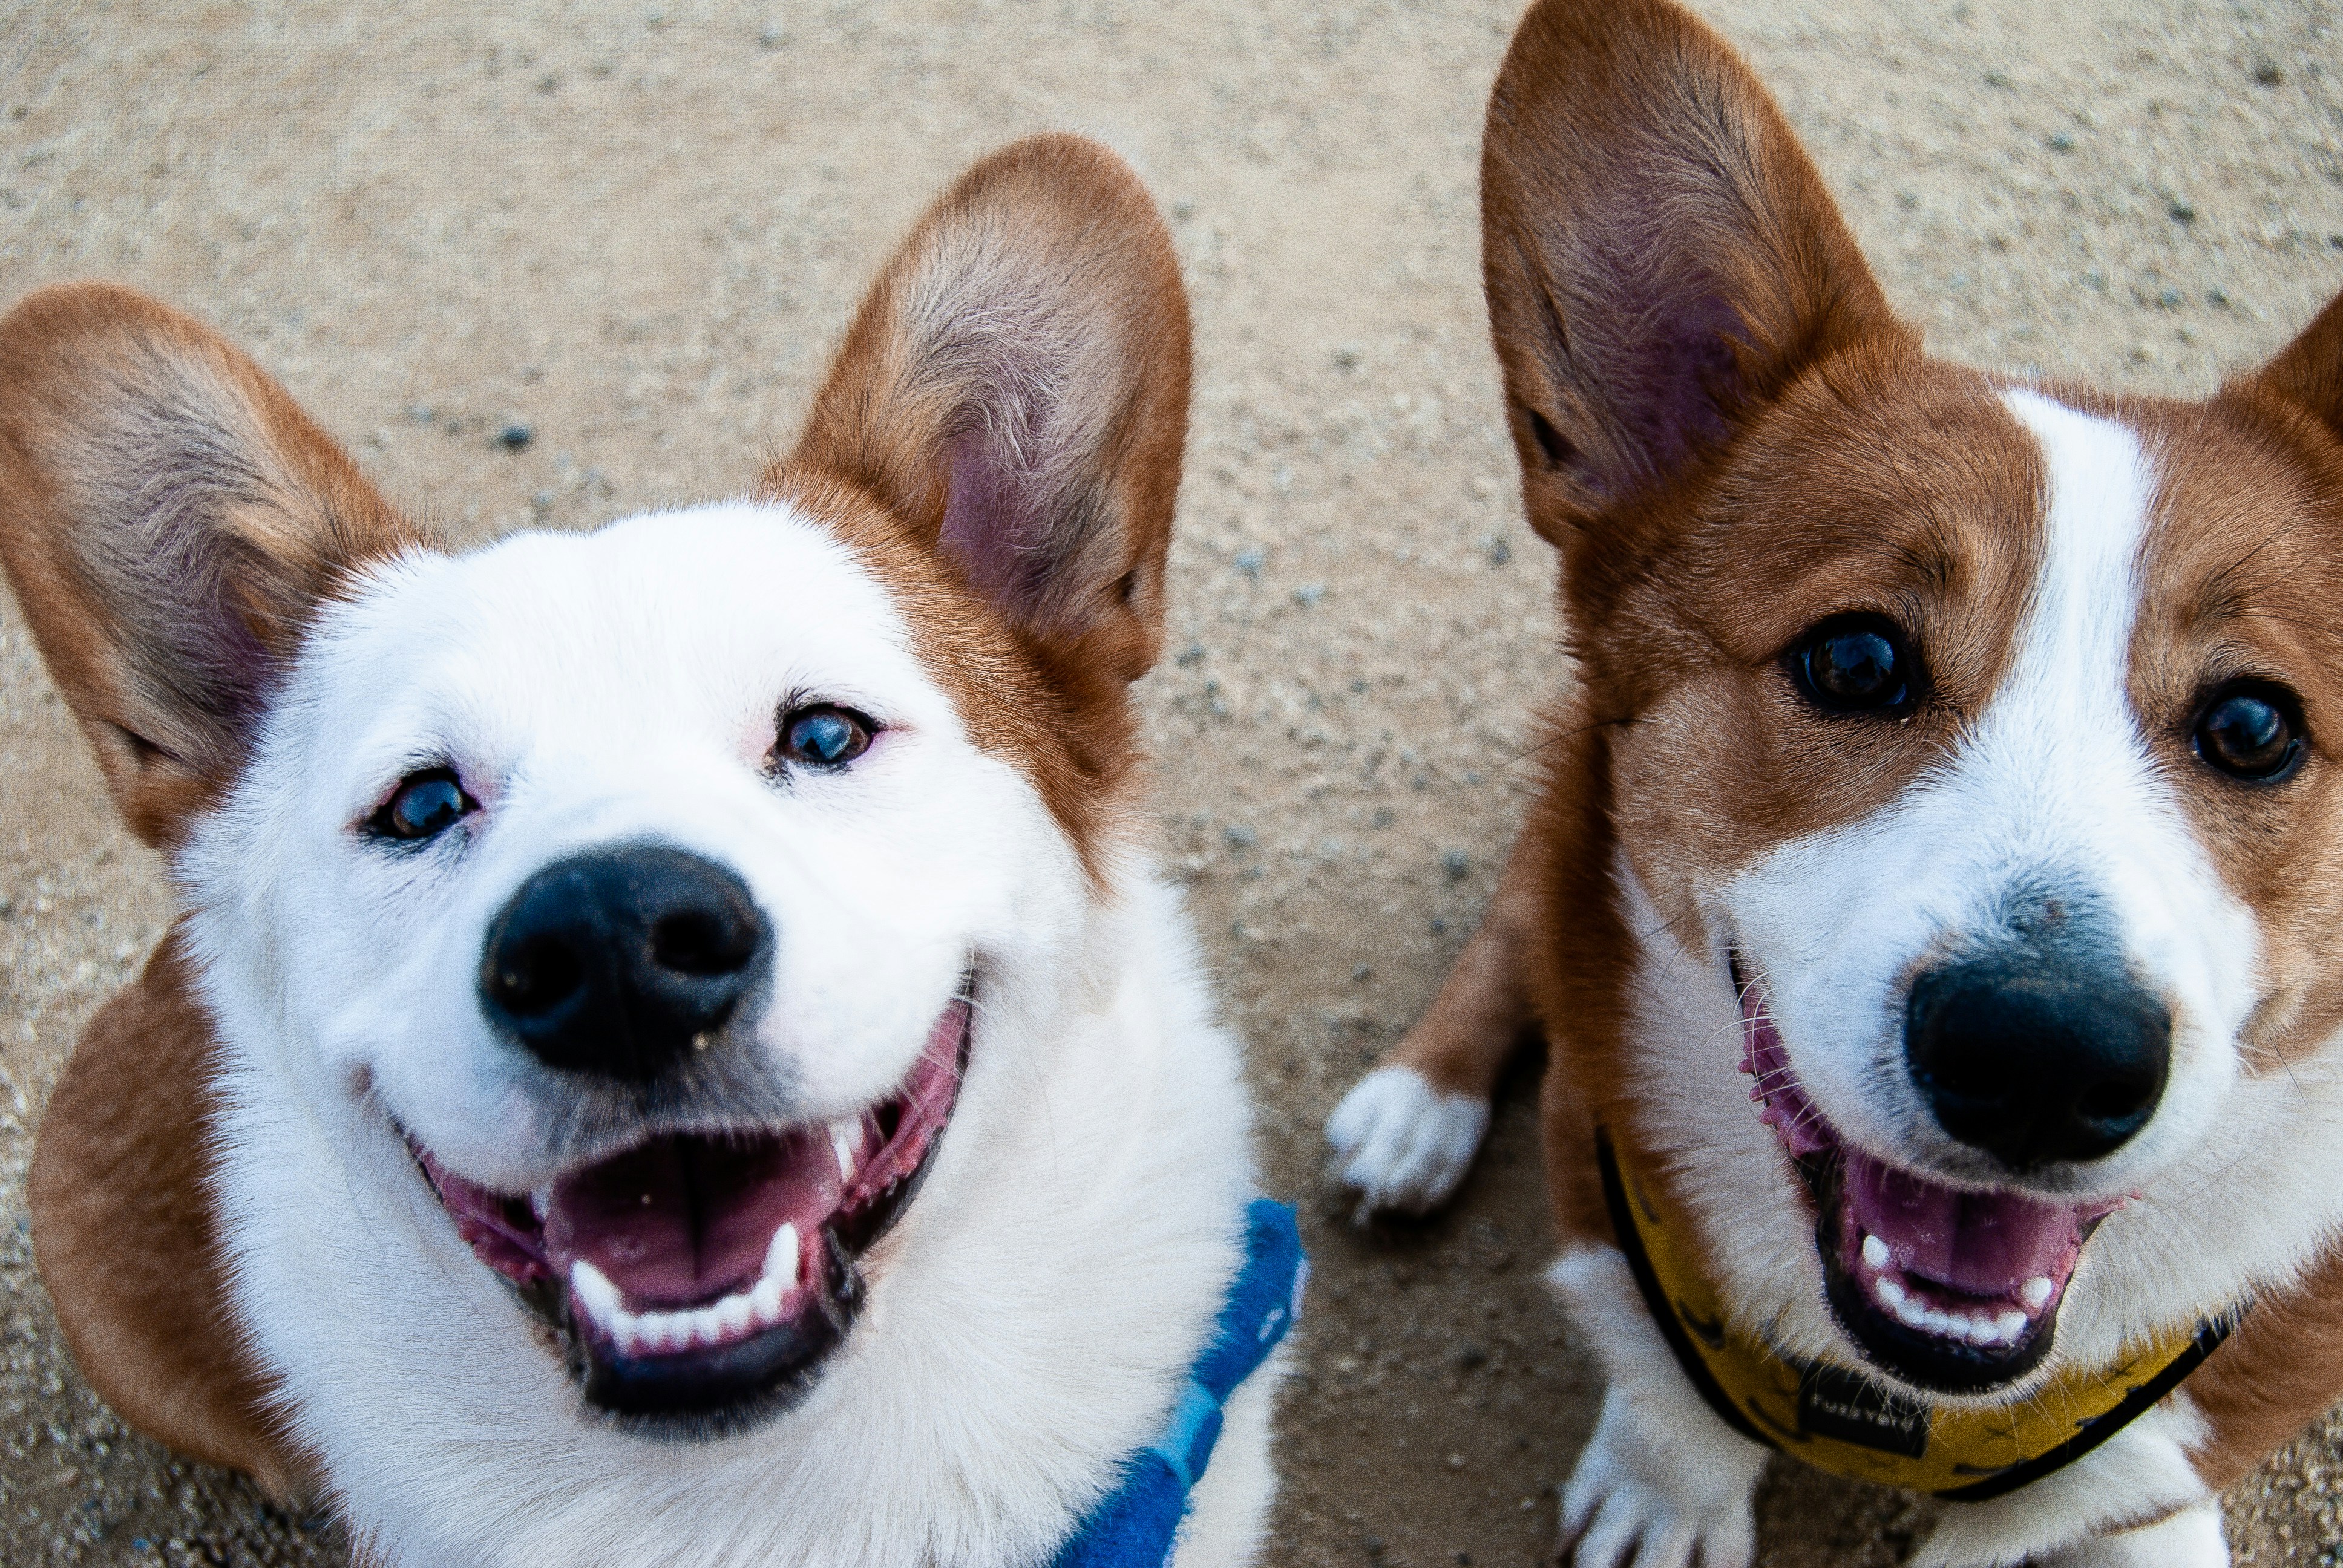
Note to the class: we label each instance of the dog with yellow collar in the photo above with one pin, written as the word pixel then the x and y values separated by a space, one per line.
pixel 1931 905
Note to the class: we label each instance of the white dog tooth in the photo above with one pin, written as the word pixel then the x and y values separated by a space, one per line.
pixel 765 1302
pixel 652 1328
pixel 1983 1330
pixel 846 1137
pixel 594 1291
pixel 1890 1293
pixel 626 1332
pixel 2035 1293
pixel 733 1313
pixel 540 1203
pixel 1875 1252
pixel 707 1326
pixel 1910 1313
pixel 2011 1324
pixel 782 1257
pixel 1937 1320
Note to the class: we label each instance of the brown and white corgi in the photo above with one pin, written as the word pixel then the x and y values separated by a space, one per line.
pixel 675 1053
pixel 1934 902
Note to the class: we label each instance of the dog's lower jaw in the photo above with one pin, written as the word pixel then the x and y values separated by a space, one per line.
pixel 1663 1469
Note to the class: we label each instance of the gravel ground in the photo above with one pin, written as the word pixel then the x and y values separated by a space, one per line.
pixel 635 231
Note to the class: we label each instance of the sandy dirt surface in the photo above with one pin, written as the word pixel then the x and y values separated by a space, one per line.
pixel 635 231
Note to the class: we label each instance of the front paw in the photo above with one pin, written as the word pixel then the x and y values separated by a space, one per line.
pixel 1632 1503
pixel 1400 1143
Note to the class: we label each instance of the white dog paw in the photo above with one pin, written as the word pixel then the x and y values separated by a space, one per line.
pixel 1403 1144
pixel 1630 1504
pixel 2189 1539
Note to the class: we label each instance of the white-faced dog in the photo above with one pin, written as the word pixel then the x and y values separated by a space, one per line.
pixel 674 1053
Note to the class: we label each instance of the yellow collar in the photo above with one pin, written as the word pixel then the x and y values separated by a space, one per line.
pixel 1843 1422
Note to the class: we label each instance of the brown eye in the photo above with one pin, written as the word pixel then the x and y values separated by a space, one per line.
pixel 424 806
pixel 2251 730
pixel 823 734
pixel 1855 664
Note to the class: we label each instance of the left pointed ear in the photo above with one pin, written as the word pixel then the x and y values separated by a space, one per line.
pixel 1015 389
pixel 2309 371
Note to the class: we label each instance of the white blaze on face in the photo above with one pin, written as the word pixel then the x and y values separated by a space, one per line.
pixel 2052 793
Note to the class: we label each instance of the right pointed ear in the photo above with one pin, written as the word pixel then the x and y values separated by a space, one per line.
pixel 1660 257
pixel 169 520
pixel 1014 387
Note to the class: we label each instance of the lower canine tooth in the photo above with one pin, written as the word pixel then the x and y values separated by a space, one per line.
pixel 2035 1293
pixel 1875 1252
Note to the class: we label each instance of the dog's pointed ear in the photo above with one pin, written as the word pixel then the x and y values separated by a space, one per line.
pixel 1660 256
pixel 2309 372
pixel 1015 389
pixel 169 519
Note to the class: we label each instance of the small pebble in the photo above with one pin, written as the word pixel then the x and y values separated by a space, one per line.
pixel 1309 594
pixel 1240 836
pixel 2059 142
pixel 1457 863
pixel 513 438
pixel 772 36
pixel 1250 562
pixel 2267 74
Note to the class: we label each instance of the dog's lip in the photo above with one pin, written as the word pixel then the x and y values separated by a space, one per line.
pixel 1950 1287
pixel 649 1333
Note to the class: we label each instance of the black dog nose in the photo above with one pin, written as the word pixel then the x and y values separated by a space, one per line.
pixel 623 962
pixel 2037 1062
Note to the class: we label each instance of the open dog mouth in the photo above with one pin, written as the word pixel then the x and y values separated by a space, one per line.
pixel 1950 1288
pixel 699 1281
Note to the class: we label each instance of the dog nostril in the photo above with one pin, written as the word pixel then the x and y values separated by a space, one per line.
pixel 702 942
pixel 534 978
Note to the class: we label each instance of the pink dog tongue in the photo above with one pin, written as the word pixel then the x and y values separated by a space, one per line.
pixel 1982 1243
pixel 682 1220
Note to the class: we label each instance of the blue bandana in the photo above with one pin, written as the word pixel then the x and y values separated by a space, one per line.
pixel 1138 1523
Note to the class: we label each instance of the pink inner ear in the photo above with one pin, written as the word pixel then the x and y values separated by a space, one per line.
pixel 992 525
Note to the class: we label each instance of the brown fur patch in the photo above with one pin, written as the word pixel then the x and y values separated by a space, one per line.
pixel 2243 570
pixel 2278 1372
pixel 169 518
pixel 124 1237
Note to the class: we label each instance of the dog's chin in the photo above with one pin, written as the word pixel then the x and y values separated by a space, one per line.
pixel 696 1284
pixel 1948 1288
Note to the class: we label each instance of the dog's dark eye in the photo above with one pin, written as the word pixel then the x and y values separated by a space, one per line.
pixel 1855 664
pixel 2251 729
pixel 425 806
pixel 823 736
